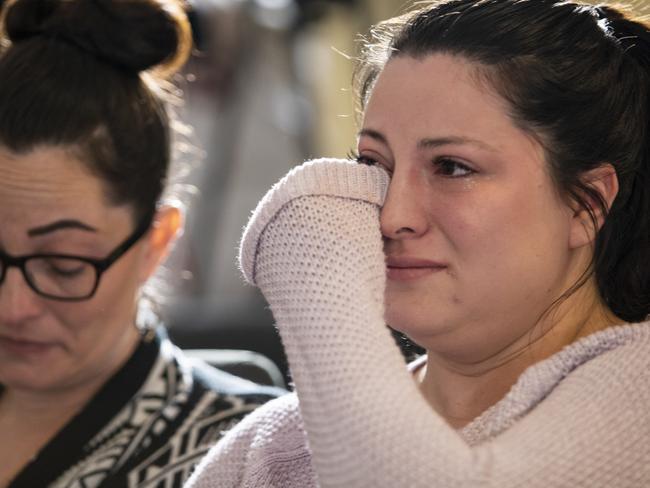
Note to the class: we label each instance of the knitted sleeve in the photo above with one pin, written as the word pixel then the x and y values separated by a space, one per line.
pixel 266 449
pixel 314 248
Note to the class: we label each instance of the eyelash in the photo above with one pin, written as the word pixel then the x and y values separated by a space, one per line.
pixel 437 163
pixel 361 159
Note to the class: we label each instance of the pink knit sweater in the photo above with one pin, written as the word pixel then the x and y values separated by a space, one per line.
pixel 577 419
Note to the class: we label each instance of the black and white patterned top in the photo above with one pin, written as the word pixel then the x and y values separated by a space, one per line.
pixel 148 426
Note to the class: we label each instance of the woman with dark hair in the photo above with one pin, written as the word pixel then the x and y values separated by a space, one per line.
pixel 90 393
pixel 500 219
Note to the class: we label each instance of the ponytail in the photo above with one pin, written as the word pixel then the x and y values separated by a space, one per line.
pixel 622 256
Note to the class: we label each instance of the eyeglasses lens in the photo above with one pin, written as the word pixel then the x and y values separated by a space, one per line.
pixel 61 277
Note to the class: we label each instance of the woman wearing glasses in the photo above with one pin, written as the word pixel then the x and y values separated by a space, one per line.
pixel 87 398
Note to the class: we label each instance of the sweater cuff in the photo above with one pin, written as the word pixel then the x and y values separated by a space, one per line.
pixel 320 177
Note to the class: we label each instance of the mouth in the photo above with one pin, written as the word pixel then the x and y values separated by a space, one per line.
pixel 24 347
pixel 411 268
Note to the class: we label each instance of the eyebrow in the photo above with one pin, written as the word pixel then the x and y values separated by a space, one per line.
pixel 373 134
pixel 59 225
pixel 429 142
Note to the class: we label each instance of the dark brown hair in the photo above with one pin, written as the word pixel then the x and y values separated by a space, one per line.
pixel 577 77
pixel 83 74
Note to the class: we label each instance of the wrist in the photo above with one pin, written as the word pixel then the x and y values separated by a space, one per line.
pixel 324 177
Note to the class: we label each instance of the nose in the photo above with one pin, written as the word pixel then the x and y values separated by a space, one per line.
pixel 18 302
pixel 402 216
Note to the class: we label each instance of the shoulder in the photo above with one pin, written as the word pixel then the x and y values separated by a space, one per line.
pixel 622 351
pixel 268 448
pixel 615 356
pixel 605 375
pixel 175 411
pixel 619 363
pixel 213 399
pixel 275 427
pixel 189 405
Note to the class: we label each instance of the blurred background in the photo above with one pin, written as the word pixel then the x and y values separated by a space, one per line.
pixel 267 88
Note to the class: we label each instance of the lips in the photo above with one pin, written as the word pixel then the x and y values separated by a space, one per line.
pixel 408 268
pixel 23 346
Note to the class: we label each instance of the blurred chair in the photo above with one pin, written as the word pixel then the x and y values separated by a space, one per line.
pixel 250 365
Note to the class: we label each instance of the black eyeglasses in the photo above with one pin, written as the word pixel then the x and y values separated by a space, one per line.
pixel 66 277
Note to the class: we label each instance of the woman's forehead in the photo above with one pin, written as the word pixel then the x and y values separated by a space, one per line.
pixel 48 173
pixel 50 183
pixel 438 93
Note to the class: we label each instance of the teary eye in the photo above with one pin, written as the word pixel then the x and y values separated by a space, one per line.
pixel 452 168
pixel 361 159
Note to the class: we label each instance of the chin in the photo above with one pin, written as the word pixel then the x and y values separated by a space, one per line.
pixel 32 373
pixel 413 326
pixel 22 379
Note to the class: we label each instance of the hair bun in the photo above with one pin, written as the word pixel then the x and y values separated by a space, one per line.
pixel 133 34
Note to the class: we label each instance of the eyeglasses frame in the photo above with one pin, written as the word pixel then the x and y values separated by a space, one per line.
pixel 100 265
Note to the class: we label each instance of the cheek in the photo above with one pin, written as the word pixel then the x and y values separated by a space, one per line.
pixel 104 317
pixel 507 222
pixel 91 326
pixel 516 247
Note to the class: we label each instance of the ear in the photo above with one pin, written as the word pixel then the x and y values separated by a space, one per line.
pixel 604 180
pixel 166 225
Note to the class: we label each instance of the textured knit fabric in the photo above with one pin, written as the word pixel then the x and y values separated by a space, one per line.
pixel 148 426
pixel 577 419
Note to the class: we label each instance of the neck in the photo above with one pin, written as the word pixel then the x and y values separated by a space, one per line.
pixel 38 408
pixel 462 390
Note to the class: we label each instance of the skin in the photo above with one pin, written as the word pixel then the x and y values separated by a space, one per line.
pixel 471 195
pixel 67 350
